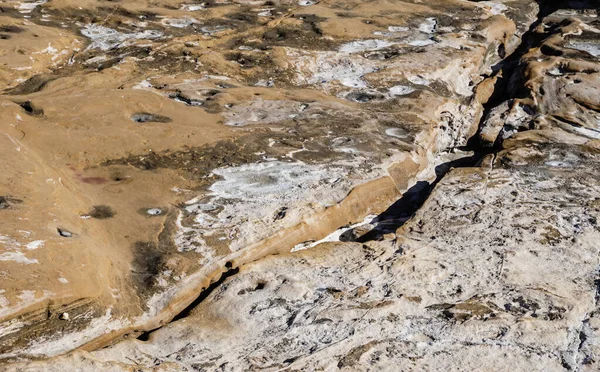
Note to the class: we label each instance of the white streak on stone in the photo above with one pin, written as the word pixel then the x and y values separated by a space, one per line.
pixel 35 244
pixel 365 45
pixel 17 257
pixel 401 90
pixel 105 38
pixel 334 236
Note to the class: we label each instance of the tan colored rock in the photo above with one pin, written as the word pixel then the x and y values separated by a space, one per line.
pixel 182 141
pixel 470 284
pixel 498 269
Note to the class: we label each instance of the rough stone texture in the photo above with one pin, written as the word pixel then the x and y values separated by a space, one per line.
pixel 149 146
pixel 497 268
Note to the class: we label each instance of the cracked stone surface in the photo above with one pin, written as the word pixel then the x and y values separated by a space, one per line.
pixel 499 268
pixel 383 185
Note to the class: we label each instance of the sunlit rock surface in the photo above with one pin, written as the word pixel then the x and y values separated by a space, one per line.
pixel 150 147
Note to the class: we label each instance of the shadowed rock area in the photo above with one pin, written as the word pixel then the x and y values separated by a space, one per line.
pixel 327 185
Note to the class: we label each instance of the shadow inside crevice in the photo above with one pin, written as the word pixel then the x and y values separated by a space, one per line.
pixel 404 208
pixel 548 7
pixel 413 199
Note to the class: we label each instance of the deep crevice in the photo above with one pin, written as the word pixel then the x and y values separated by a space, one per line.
pixel 412 200
pixel 508 87
pixel 201 297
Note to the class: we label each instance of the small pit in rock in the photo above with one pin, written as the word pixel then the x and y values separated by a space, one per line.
pixel 154 212
pixel 6 202
pixel 30 109
pixel 145 117
pixel 64 233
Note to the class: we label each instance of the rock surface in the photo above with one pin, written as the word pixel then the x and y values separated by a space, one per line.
pixel 183 141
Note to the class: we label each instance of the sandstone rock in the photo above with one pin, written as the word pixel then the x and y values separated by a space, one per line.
pixel 286 127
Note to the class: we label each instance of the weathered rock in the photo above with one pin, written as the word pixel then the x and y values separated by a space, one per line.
pixel 497 270
pixel 313 119
pixel 224 115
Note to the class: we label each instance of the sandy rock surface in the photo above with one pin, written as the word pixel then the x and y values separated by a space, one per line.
pixel 299 185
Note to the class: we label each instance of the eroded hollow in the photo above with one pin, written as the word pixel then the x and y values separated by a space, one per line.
pixel 30 109
pixel 7 202
pixel 144 117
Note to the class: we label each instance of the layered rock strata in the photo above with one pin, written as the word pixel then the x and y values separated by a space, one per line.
pixel 285 130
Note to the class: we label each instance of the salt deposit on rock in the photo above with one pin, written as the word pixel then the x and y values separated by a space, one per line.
pixel 105 38
pixel 303 185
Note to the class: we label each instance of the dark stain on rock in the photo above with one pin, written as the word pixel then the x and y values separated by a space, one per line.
pixel 6 30
pixel 244 15
pixel 549 50
pixel 465 310
pixel 353 356
pixel 309 35
pixel 11 29
pixel 150 258
pixel 313 132
pixel 147 260
pixel 173 61
pixel 248 59
pixel 93 180
pixel 32 85
pixel 200 161
pixel 143 15
pixel 101 212
pixel 363 97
